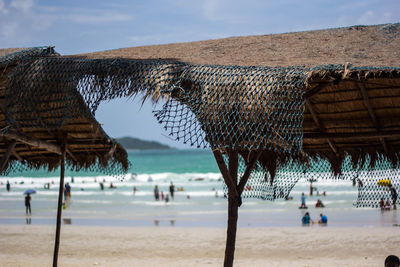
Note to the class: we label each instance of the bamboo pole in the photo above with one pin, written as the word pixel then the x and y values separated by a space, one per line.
pixel 59 207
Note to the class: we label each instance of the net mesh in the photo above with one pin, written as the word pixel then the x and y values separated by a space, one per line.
pixel 223 107
pixel 38 98
pixel 207 106
pixel 372 182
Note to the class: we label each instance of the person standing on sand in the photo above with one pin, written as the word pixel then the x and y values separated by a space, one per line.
pixel 8 186
pixel 28 204
pixel 172 190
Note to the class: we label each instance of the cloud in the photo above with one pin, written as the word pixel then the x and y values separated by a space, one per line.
pixel 221 10
pixel 22 5
pixel 371 17
pixel 23 21
pixel 366 17
pixel 211 9
pixel 100 17
pixel 16 22
pixel 3 7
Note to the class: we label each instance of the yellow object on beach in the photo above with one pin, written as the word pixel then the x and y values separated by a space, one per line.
pixel 384 182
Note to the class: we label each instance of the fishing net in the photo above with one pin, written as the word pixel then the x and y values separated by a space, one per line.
pixel 207 106
pixel 34 98
pixel 372 182
pixel 223 107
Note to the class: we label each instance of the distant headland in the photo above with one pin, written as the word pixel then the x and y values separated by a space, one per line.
pixel 135 143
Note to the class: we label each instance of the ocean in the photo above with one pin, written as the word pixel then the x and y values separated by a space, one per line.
pixel 199 202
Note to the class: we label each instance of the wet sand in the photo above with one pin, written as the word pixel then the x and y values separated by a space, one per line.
pixel 32 245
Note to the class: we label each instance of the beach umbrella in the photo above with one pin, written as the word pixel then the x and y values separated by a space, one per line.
pixel 384 182
pixel 30 191
pixel 50 149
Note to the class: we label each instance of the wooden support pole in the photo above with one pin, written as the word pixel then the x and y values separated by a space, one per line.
pixel 233 205
pixel 59 207
pixel 230 176
pixel 6 157
pixel 249 168
pixel 225 173
pixel 23 138
pixel 233 166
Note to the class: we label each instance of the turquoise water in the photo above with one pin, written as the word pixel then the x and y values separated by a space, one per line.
pixel 149 162
pixel 201 202
pixel 174 161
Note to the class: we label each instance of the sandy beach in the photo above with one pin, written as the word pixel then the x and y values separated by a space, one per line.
pixel 32 245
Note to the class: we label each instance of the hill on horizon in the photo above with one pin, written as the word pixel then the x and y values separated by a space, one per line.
pixel 134 143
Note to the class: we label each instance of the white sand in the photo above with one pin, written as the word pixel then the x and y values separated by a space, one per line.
pixel 32 245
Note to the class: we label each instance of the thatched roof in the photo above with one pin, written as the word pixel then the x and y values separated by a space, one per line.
pixel 353 111
pixel 349 110
pixel 8 51
pixel 40 135
pixel 360 45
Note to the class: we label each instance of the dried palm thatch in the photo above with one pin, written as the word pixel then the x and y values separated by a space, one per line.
pixel 375 45
pixel 36 123
pixel 340 100
pixel 258 108
pixel 258 120
pixel 353 111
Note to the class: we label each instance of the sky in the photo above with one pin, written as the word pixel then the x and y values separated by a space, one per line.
pixel 76 26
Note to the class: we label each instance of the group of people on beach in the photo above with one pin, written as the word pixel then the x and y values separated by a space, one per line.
pixel 164 197
pixel 387 205
pixel 303 205
pixel 306 219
